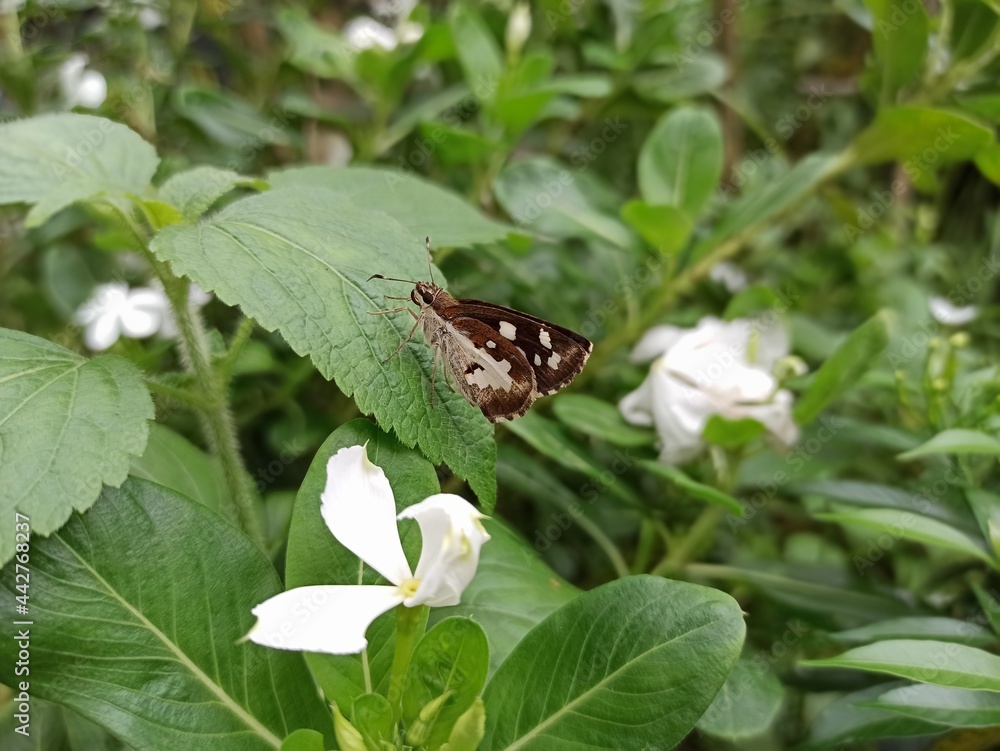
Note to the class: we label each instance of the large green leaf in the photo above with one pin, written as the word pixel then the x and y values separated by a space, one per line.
pixel 140 607
pixel 959 441
pixel 631 664
pixel 681 160
pixel 423 208
pixel 298 260
pixel 920 137
pixel 194 191
pixel 955 707
pixel 68 425
pixel 315 556
pixel 859 352
pixel 55 160
pixel 899 35
pixel 925 660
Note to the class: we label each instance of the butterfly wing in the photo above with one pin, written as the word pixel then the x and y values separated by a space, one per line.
pixel 554 354
pixel 487 368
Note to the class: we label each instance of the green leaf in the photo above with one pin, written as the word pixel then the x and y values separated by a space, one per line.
pixel 919 627
pixel 908 526
pixel 316 557
pixel 68 425
pixel 585 678
pixel 477 50
pixel 899 35
pixel 174 462
pixel 303 740
pixel 924 660
pixel 666 228
pixel 548 437
pixel 512 592
pixel 988 162
pixel 298 260
pixel 953 707
pixel 371 715
pixel 423 208
pixel 959 441
pixel 53 161
pixel 681 160
pixel 853 358
pixel 230 120
pixel 169 587
pixel 195 191
pixel 543 196
pixel 599 419
pixel 54 728
pixel 452 658
pixel 747 704
pixel 847 720
pixel 695 488
pixel 667 85
pixel 921 138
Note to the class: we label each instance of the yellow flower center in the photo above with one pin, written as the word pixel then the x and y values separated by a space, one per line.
pixel 409 588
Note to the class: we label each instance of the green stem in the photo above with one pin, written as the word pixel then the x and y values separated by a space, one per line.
pixel 236 345
pixel 185 396
pixel 697 537
pixel 217 420
pixel 408 622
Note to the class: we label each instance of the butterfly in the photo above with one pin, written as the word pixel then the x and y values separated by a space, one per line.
pixel 500 359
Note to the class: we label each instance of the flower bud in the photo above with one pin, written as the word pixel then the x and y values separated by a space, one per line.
pixel 469 729
pixel 518 29
pixel 348 737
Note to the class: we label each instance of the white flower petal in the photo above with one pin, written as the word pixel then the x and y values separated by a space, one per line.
pixel 729 275
pixel 144 313
pixel 637 406
pixel 324 618
pixel 102 332
pixel 452 536
pixel 359 508
pixel 680 414
pixel 945 312
pixel 92 90
pixel 655 342
pixel 776 416
pixel 364 32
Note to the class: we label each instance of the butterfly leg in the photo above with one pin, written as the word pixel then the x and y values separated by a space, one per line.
pixel 394 310
pixel 408 336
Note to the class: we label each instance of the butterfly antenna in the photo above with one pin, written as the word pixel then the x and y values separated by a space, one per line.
pixel 430 269
pixel 389 279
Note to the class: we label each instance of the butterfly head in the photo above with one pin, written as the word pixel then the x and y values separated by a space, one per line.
pixel 425 293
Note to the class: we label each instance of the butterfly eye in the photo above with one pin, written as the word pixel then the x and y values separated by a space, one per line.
pixel 427 296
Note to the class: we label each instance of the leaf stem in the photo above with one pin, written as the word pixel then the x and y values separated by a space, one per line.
pixel 693 543
pixel 408 621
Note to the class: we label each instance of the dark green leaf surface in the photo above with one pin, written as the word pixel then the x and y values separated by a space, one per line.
pixel 631 664
pixel 68 425
pixel 747 704
pixel 142 603
pixel 954 707
pixel 936 136
pixel 298 260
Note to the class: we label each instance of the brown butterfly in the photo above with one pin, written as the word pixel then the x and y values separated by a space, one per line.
pixel 500 359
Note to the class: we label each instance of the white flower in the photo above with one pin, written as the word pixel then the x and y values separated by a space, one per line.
pixel 364 32
pixel 114 309
pixel 518 28
pixel 729 275
pixel 718 368
pixel 952 315
pixel 79 85
pixel 360 511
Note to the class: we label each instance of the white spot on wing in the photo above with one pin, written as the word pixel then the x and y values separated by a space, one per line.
pixel 538 359
pixel 554 360
pixel 491 344
pixel 508 329
pixel 495 379
pixel 545 339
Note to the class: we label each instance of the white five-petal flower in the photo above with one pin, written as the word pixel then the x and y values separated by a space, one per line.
pixel 114 309
pixel 717 368
pixel 360 511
